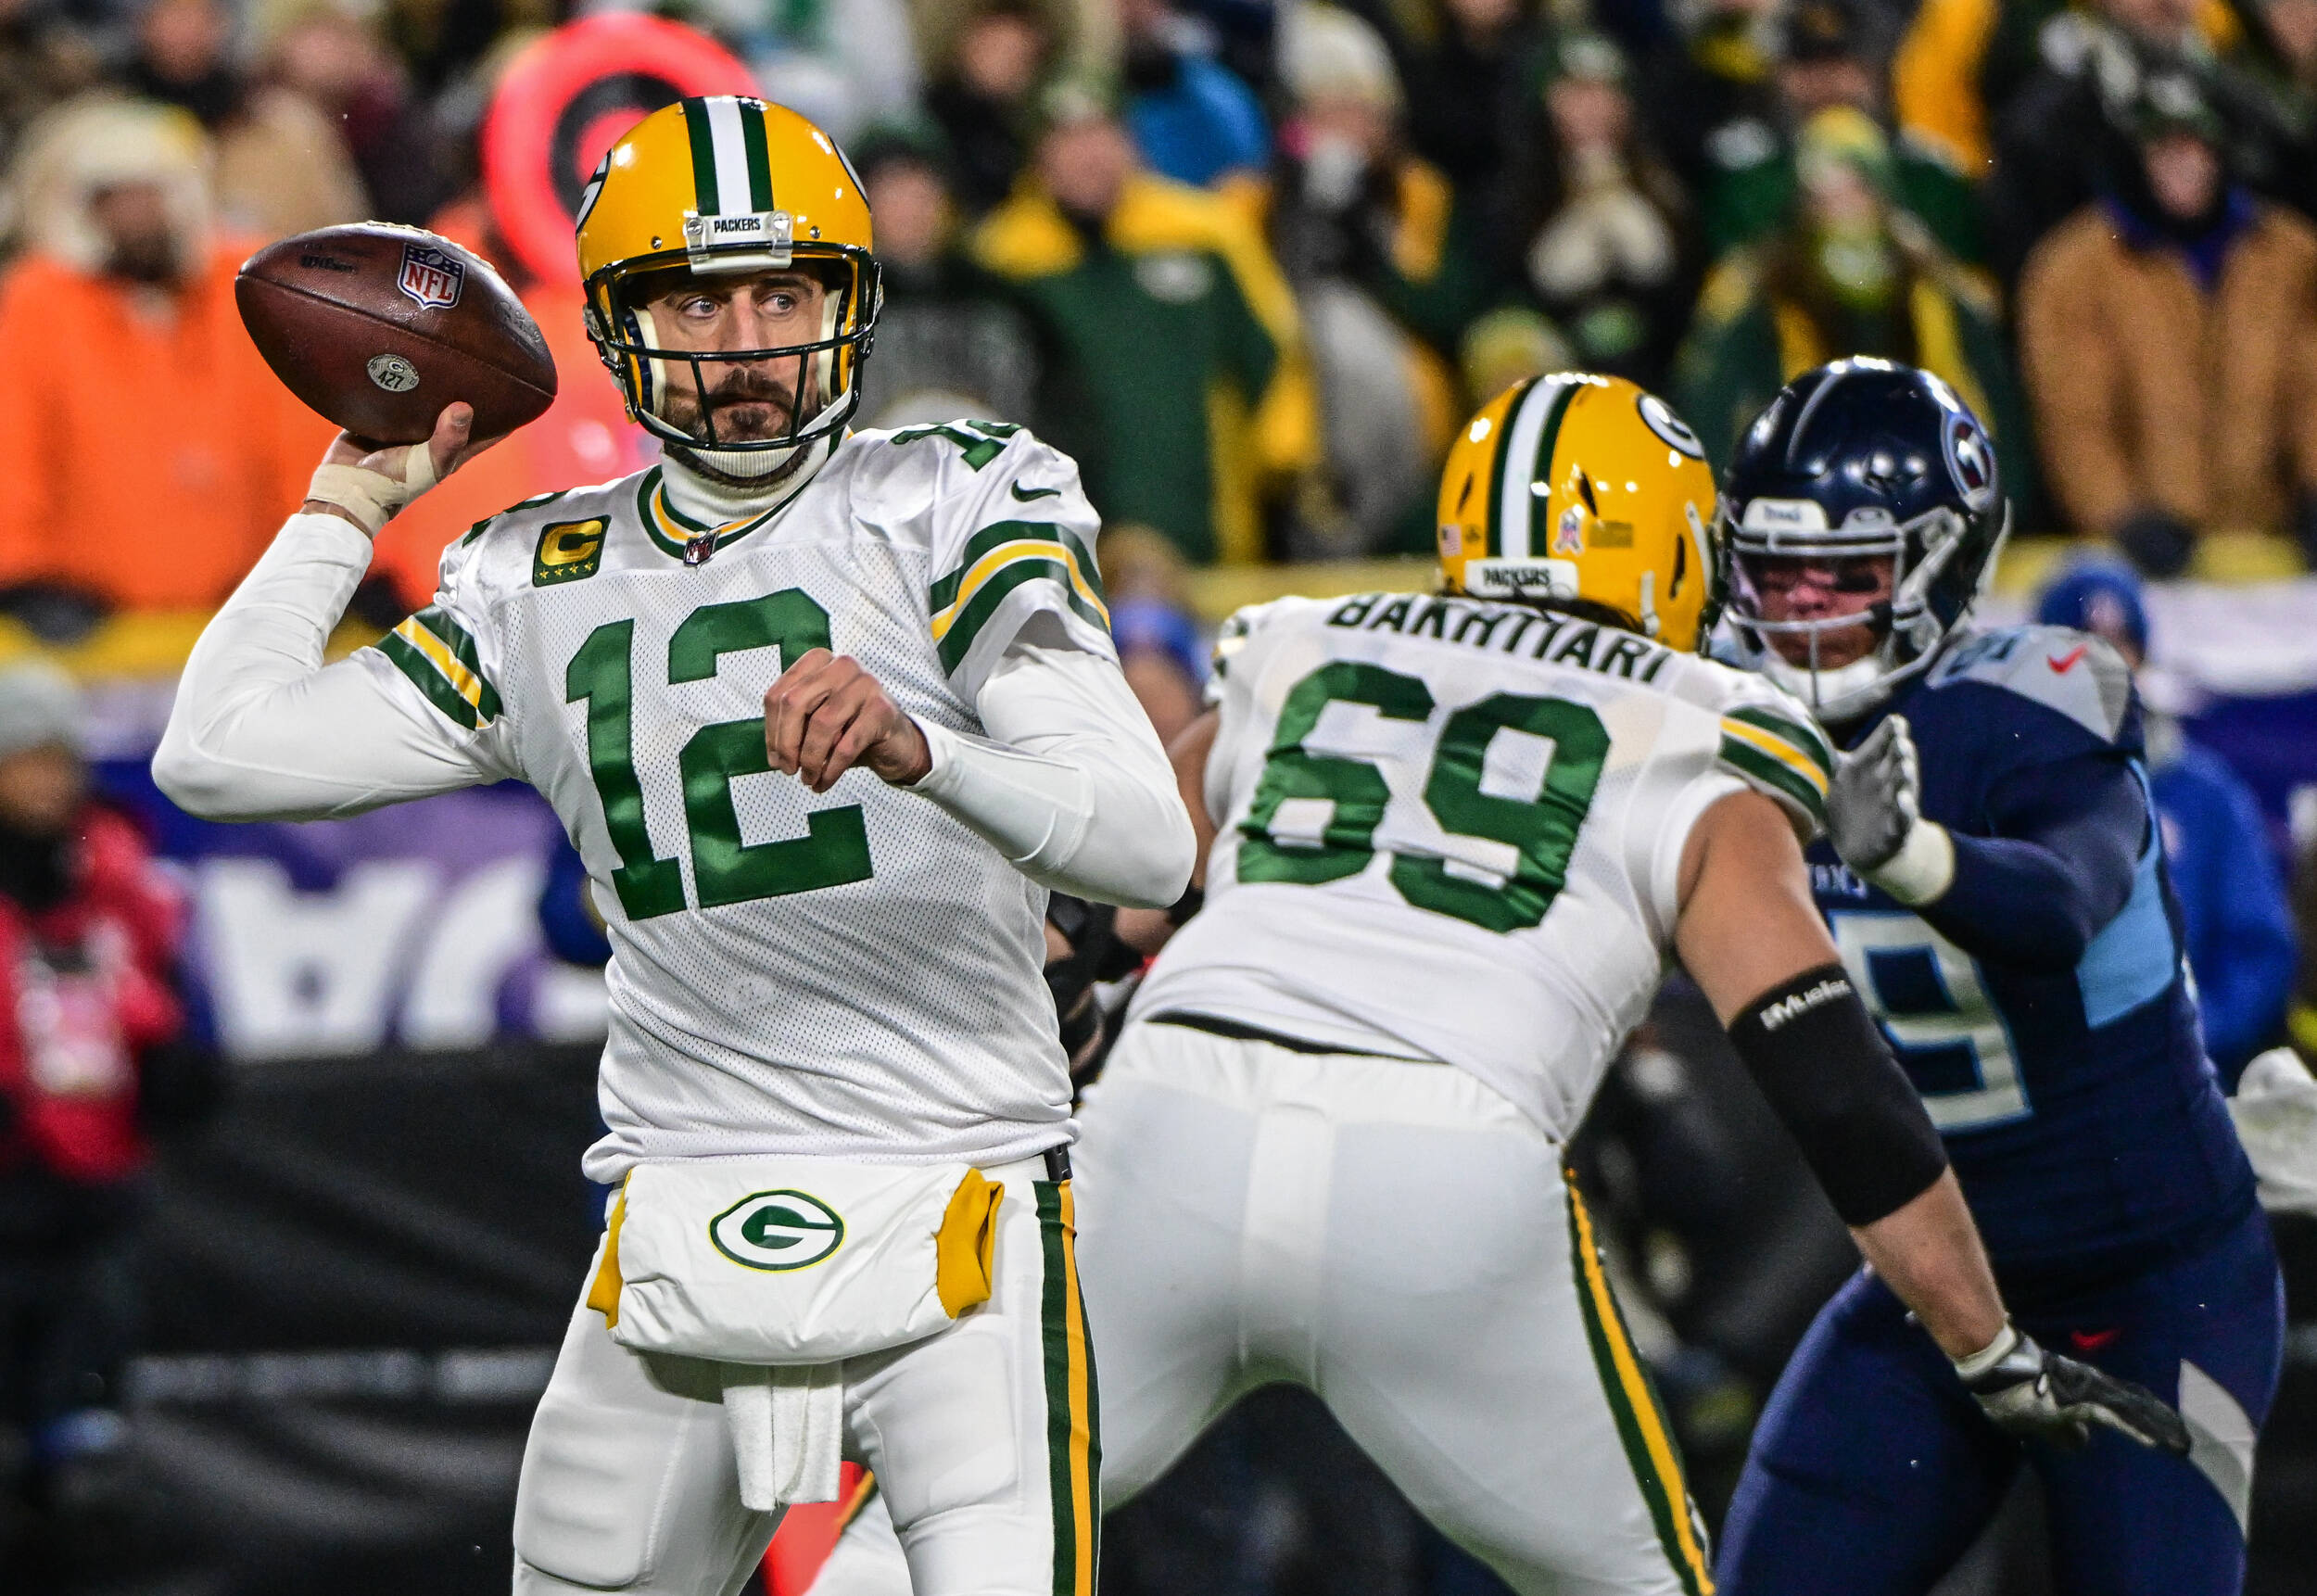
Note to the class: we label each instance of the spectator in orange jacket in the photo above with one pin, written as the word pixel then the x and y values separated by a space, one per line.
pixel 147 453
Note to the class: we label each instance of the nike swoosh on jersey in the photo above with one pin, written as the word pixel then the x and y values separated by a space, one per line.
pixel 2092 1340
pixel 1034 493
pixel 2063 663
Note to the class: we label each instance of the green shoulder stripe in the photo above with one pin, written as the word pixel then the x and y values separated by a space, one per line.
pixel 440 655
pixel 1805 738
pixel 997 535
pixel 428 680
pixel 957 638
pixel 1750 761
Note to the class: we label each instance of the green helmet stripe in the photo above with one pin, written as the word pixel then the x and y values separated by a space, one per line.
pixel 1538 538
pixel 759 156
pixel 1495 472
pixel 703 142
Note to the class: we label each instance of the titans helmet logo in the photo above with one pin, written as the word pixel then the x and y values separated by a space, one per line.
pixel 1971 461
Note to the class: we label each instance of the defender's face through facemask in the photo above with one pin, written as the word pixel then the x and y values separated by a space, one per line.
pixel 1819 612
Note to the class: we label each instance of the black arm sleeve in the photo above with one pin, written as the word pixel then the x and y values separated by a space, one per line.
pixel 1812 1048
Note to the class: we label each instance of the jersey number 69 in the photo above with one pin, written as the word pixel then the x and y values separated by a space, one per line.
pixel 1543 831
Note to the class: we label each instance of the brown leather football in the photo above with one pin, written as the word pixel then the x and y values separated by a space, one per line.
pixel 379 327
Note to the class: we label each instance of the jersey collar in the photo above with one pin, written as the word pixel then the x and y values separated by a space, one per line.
pixel 686 538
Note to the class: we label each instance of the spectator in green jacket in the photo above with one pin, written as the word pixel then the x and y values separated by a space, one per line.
pixel 1850 274
pixel 1824 60
pixel 1175 362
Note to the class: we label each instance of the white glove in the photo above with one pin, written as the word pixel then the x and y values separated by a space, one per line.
pixel 2275 1110
pixel 1873 817
pixel 2038 1395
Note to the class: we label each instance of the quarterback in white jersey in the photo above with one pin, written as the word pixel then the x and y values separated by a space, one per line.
pixel 826 715
pixel 1454 840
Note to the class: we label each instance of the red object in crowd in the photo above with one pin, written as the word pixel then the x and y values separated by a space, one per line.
pixel 83 990
pixel 560 106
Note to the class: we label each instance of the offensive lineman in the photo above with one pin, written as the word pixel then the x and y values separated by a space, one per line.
pixel 826 715
pixel 2004 911
pixel 1454 840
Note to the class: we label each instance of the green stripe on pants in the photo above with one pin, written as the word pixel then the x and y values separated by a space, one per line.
pixel 1640 1425
pixel 1073 1443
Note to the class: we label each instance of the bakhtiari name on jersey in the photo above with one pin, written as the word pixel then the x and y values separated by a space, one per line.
pixel 1558 639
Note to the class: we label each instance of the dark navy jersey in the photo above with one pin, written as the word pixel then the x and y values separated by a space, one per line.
pixel 2040 1006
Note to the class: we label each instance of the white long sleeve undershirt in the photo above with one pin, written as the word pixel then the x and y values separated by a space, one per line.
pixel 261 729
pixel 1071 784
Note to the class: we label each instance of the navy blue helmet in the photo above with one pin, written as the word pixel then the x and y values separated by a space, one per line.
pixel 1853 461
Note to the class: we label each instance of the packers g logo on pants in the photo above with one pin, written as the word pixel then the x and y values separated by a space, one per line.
pixel 777 1231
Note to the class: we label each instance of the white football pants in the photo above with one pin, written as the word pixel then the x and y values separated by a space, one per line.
pixel 1400 1240
pixel 982 1437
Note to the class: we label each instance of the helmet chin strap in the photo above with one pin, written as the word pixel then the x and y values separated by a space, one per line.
pixel 1837 694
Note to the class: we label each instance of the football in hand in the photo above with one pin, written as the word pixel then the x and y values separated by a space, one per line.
pixel 379 327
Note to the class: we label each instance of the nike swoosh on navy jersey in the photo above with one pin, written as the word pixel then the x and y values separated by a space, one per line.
pixel 2065 663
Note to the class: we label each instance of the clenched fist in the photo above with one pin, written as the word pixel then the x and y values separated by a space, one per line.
pixel 826 715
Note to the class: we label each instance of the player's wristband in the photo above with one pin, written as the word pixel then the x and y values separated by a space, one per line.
pixel 371 497
pixel 1812 1048
pixel 1194 898
pixel 1923 869
pixel 1987 1357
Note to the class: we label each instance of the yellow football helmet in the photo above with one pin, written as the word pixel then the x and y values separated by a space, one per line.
pixel 727 184
pixel 1580 486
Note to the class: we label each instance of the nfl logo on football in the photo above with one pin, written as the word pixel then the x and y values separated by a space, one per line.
pixel 431 277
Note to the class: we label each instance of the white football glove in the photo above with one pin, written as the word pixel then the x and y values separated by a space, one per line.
pixel 1873 817
pixel 2275 1110
pixel 2038 1395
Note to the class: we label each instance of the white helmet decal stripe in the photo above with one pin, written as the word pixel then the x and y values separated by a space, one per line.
pixel 732 154
pixel 1517 507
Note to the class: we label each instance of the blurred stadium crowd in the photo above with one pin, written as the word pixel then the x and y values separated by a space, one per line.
pixel 1250 261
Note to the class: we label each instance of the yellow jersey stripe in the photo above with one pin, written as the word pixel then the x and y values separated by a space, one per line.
pixel 1778 748
pixel 464 682
pixel 1006 555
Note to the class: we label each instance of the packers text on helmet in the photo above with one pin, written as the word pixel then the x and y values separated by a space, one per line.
pixel 1575 486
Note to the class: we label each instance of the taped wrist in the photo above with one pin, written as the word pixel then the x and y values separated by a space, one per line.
pixel 1811 1047
pixel 371 497
pixel 1921 868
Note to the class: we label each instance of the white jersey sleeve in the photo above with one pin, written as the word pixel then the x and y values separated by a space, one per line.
pixel 262 728
pixel 448 655
pixel 1012 540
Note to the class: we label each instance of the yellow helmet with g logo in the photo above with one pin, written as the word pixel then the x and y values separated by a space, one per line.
pixel 727 185
pixel 1580 486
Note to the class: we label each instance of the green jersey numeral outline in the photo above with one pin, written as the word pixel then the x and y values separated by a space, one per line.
pixel 1543 831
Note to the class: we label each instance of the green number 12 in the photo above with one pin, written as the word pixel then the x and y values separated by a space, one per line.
pixel 834 849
